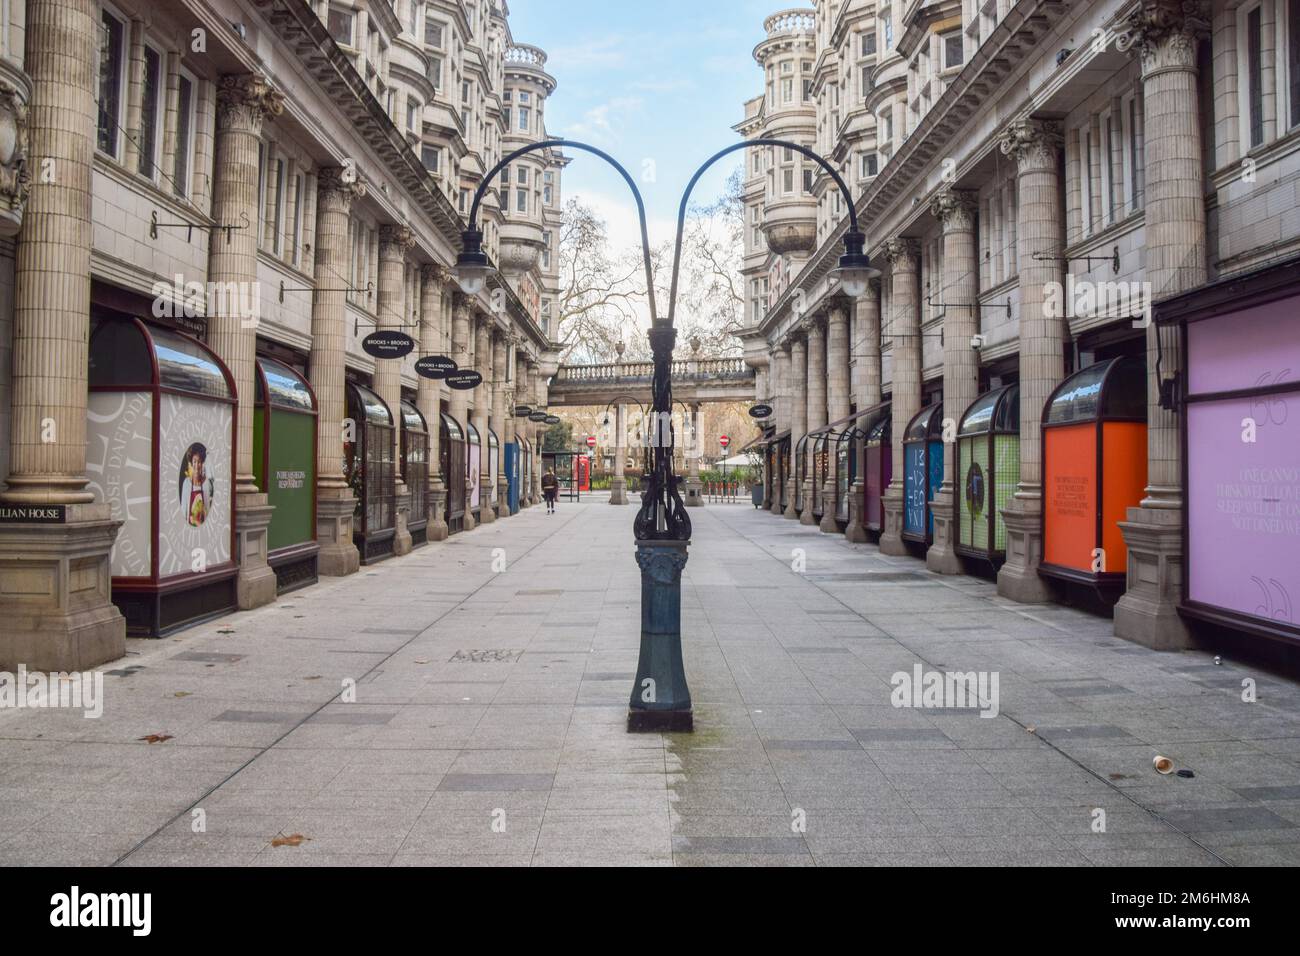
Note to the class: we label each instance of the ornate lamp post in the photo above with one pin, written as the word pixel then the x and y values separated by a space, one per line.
pixel 661 699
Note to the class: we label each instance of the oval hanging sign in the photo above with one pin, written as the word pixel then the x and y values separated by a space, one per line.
pixel 760 411
pixel 523 411
pixel 538 417
pixel 464 379
pixel 435 366
pixel 388 344
pixel 552 419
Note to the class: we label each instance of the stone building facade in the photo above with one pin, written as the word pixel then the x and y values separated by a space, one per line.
pixel 1034 178
pixel 260 185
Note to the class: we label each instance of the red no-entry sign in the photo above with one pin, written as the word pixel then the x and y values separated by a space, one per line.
pixel 724 441
pixel 591 441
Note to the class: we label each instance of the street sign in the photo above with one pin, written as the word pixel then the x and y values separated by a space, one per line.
pixel 388 344
pixel 760 411
pixel 724 441
pixel 591 441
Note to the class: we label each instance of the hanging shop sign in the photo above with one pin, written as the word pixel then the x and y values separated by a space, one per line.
pixel 552 419
pixel 388 344
pixel 464 379
pixel 538 417
pixel 523 411
pixel 760 411
pixel 435 366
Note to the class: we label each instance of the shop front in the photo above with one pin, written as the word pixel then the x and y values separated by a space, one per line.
pixel 454 471
pixel 846 470
pixel 1094 470
pixel 494 468
pixel 371 471
pixel 801 456
pixel 820 464
pixel 160 439
pixel 473 470
pixel 878 468
pixel 987 470
pixel 415 472
pixel 1240 410
pixel 284 465
pixel 922 473
pixel 513 474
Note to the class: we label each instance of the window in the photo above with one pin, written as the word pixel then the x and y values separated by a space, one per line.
pixel 546 314
pixel 1137 153
pixel 808 181
pixel 868 165
pixel 464 91
pixel 1254 77
pixel 867 84
pixel 548 188
pixel 413 116
pixel 435 72
pixel 462 199
pixel 524 96
pixel 296 234
pixel 887 25
pixel 1293 58
pixel 432 33
pixel 521 200
pixel 521 175
pixel 953 53
pixel 184 136
pixel 869 44
pixel 507 114
pixel 546 249
pixel 111 63
pixel 525 115
pixel 339 25
pixel 150 113
pixel 787 181
pixel 787 90
pixel 431 156
pixel 277 213
pixel 807 90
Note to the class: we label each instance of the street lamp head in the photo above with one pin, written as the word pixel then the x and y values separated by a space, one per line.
pixel 472 264
pixel 855 269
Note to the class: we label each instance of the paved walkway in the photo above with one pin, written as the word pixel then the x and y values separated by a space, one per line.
pixel 488 725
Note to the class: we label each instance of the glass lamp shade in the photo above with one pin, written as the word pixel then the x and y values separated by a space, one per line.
pixel 854 280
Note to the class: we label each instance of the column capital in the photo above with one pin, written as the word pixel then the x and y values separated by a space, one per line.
pixel 1032 142
pixel 813 324
pixel 1165 33
pixel 874 287
pixel 339 186
pixel 903 253
pixel 244 100
pixel 395 240
pixel 838 313
pixel 955 209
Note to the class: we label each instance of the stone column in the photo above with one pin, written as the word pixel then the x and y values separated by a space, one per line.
pixel 955 209
pixel 867 383
pixel 243 102
pixel 798 408
pixel 499 423
pixel 780 391
pixel 55 578
pixel 1036 146
pixel 618 484
pixel 838 402
pixel 395 241
pixel 428 392
pixel 458 399
pixel 691 453
pixel 335 501
pixel 482 405
pixel 815 410
pixel 1166 35
pixel 905 328
pixel 539 392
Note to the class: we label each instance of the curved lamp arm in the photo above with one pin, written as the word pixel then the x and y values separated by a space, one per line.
pixel 853 239
pixel 472 233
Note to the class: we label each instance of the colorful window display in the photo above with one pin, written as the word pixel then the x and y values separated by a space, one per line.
pixel 987 470
pixel 800 472
pixel 415 472
pixel 1241 428
pixel 878 467
pixel 1094 470
pixel 454 472
pixel 787 463
pixel 820 469
pixel 922 473
pixel 371 469
pixel 284 465
pixel 846 470
pixel 160 439
pixel 512 465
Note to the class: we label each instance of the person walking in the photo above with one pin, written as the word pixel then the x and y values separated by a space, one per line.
pixel 550 490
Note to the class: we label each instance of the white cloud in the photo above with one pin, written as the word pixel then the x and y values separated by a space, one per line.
pixel 603 123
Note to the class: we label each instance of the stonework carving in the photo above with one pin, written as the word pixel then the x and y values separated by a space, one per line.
pixel 664 565
pixel 1032 142
pixel 955 209
pixel 339 186
pixel 395 239
pixel 15 182
pixel 1165 32
pixel 244 100
pixel 902 253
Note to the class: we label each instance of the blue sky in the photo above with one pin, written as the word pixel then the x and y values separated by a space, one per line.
pixel 658 85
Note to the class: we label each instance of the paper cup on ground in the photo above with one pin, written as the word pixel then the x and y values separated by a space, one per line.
pixel 1163 764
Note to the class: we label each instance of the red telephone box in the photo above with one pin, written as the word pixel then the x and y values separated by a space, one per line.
pixel 583 472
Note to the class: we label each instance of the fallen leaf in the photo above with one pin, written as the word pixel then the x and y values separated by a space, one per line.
pixel 295 839
pixel 313 677
pixel 155 738
pixel 1031 730
pixel 181 693
pixel 420 660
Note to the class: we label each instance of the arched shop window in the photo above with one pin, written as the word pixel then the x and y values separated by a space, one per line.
pixel 922 473
pixel 846 469
pixel 474 468
pixel 284 466
pixel 1094 470
pixel 987 469
pixel 801 472
pixel 160 436
pixel 494 462
pixel 820 463
pixel 453 472
pixel 415 472
pixel 371 471
pixel 878 465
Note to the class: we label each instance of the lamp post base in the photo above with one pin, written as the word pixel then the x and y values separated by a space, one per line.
pixel 661 699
